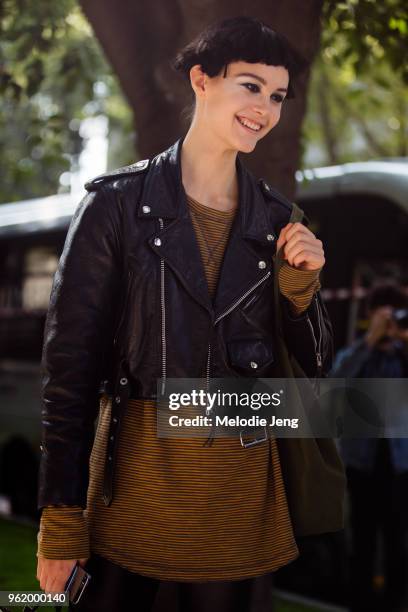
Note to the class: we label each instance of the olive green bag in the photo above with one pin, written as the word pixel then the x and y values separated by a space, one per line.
pixel 312 469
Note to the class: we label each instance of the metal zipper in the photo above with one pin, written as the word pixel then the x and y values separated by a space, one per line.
pixel 319 354
pixel 163 319
pixel 317 344
pixel 261 280
pixel 230 309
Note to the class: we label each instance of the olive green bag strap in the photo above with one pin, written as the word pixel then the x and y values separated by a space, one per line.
pixel 290 366
pixel 311 467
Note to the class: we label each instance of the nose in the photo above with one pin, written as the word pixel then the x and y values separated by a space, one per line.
pixel 262 111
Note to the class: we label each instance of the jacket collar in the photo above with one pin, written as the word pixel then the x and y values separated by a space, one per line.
pixel 164 177
pixel 248 254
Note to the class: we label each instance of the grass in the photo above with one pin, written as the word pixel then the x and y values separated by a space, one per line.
pixel 18 560
pixel 18 564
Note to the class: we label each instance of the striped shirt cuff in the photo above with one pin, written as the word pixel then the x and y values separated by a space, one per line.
pixel 63 533
pixel 298 286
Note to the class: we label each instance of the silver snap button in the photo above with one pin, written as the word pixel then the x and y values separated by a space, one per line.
pixel 254 364
pixel 110 458
pixel 117 399
pixel 112 437
pixel 123 381
pixel 115 420
pixel 270 237
pixel 146 209
pixel 157 241
pixel 261 264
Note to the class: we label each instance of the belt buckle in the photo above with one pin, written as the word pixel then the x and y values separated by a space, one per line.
pixel 253 442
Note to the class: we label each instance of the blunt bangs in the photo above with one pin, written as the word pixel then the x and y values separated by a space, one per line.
pixel 239 39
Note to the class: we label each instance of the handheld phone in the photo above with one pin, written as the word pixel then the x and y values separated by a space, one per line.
pixel 77 583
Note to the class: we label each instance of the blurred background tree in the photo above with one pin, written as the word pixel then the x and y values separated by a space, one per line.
pixel 54 74
pixel 358 100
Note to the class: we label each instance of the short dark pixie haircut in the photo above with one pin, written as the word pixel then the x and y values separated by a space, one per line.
pixel 239 39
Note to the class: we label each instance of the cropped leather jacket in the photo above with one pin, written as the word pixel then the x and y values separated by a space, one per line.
pixel 130 306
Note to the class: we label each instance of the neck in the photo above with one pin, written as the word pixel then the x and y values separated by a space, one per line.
pixel 208 170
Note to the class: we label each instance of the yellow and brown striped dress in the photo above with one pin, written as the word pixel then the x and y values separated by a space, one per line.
pixel 182 511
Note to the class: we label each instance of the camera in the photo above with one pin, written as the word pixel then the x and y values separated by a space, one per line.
pixel 400 316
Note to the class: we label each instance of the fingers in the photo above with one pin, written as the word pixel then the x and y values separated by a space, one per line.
pixel 380 323
pixel 382 315
pixel 294 232
pixel 302 247
pixel 54 586
pixel 291 249
pixel 53 574
pixel 282 236
pixel 307 260
pixel 39 568
pixel 294 228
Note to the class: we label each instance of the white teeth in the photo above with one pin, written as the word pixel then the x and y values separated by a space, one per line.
pixel 253 126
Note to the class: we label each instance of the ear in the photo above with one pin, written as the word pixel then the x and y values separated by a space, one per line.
pixel 198 79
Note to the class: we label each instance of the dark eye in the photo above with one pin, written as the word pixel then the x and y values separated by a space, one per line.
pixel 249 85
pixel 277 97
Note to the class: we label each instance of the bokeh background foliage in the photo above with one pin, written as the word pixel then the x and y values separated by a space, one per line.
pixel 54 74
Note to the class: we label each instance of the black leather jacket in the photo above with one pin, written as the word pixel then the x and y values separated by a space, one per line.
pixel 130 305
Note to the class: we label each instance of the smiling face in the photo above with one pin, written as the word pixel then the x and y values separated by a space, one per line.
pixel 242 108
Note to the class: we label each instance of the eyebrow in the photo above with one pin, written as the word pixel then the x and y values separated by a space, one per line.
pixel 255 76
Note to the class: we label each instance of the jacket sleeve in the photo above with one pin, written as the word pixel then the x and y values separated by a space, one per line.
pixel 77 333
pixel 309 336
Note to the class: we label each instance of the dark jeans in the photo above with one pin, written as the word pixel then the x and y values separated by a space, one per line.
pixel 113 588
pixel 379 501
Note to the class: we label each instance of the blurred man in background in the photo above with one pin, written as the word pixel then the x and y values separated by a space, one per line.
pixel 377 468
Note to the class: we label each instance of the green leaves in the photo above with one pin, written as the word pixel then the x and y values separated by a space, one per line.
pixel 49 63
pixel 358 95
pixel 371 29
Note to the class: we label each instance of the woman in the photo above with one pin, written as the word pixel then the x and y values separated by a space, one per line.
pixel 188 238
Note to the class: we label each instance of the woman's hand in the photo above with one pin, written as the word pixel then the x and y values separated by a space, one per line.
pixel 53 574
pixel 302 249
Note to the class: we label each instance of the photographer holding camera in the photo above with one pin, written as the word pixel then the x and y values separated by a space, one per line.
pixel 377 469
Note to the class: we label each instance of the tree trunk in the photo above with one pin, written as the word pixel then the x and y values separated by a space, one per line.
pixel 328 131
pixel 140 38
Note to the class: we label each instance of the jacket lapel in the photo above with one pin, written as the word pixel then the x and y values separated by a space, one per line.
pixel 181 252
pixel 248 253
